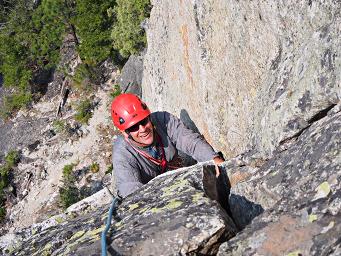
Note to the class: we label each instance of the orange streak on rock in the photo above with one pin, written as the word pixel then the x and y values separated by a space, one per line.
pixel 238 177
pixel 287 235
pixel 184 37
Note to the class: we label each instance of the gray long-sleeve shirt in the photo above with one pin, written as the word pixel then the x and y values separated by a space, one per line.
pixel 131 170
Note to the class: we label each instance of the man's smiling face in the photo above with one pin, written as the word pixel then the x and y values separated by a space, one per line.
pixel 142 133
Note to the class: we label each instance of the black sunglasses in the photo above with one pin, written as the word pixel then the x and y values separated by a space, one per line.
pixel 136 126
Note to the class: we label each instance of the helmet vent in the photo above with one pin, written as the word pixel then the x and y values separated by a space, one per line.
pixel 121 120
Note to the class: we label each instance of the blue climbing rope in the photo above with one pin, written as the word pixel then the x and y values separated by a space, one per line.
pixel 107 227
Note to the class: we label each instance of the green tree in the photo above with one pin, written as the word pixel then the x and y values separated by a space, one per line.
pixel 12 158
pixel 84 111
pixel 127 33
pixel 29 43
pixel 14 45
pixel 93 28
pixel 15 34
pixel 59 14
pixel 49 25
pixel 5 8
pixel 68 174
pixel 31 39
pixel 69 194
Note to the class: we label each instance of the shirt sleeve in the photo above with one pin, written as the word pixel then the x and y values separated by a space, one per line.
pixel 126 173
pixel 187 140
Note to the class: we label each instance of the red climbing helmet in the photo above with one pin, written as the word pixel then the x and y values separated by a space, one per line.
pixel 127 109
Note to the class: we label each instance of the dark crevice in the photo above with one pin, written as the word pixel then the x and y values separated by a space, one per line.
pixel 321 114
pixel 318 116
pixel 243 211
pixel 239 209
pixel 216 188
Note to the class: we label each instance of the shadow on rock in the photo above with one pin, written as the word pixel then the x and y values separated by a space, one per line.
pixel 240 209
pixel 186 119
pixel 243 211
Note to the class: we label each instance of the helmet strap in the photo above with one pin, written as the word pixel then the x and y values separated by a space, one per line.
pixel 130 137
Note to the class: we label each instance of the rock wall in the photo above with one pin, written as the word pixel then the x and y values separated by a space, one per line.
pixel 130 79
pixel 250 74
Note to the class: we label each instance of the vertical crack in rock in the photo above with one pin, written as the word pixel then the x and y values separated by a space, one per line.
pixel 240 210
pixel 217 189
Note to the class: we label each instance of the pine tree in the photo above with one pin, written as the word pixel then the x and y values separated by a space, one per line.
pixel 93 25
pixel 14 41
pixel 29 42
pixel 50 22
pixel 127 33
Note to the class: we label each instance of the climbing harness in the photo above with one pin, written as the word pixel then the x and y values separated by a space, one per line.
pixel 161 162
pixel 112 211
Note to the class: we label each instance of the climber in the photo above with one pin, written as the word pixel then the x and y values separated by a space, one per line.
pixel 149 144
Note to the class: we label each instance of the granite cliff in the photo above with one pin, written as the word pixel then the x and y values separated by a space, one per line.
pixel 250 74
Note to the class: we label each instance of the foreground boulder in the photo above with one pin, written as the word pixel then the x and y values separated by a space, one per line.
pixel 176 214
pixel 299 191
pixel 182 212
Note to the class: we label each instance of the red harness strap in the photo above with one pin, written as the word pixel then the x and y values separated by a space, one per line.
pixel 161 162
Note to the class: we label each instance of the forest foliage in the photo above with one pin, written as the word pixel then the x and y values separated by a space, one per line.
pixel 32 32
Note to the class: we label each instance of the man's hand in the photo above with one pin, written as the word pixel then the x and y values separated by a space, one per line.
pixel 217 160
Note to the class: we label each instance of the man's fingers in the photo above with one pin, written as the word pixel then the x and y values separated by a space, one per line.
pixel 217 160
pixel 217 171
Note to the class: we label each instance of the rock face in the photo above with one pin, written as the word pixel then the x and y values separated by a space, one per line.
pixel 22 132
pixel 250 74
pixel 299 192
pixel 131 78
pixel 176 213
